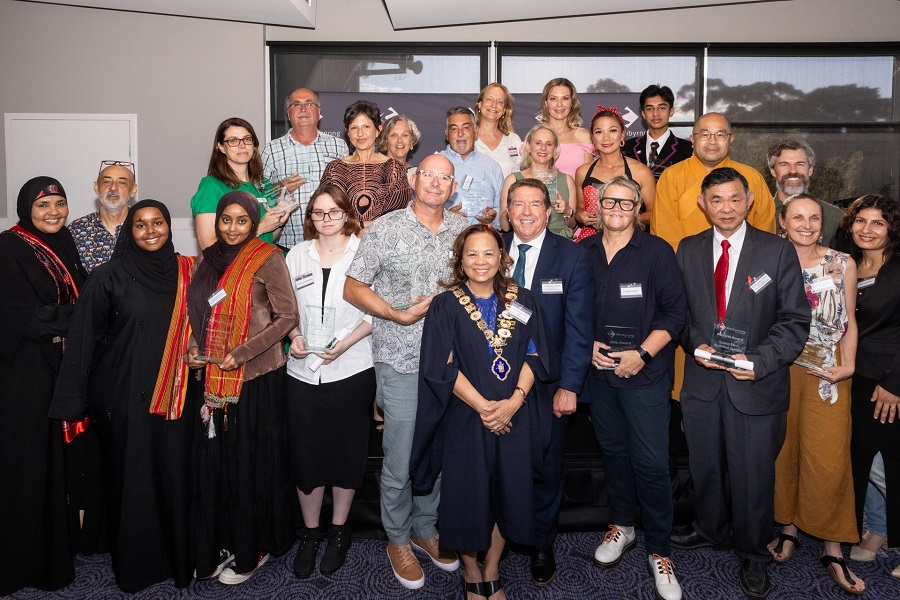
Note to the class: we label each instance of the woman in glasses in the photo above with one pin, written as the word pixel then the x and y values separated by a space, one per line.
pixel 235 164
pixel 374 183
pixel 639 310
pixel 332 381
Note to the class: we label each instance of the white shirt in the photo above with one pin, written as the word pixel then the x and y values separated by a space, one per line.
pixel 507 154
pixel 734 253
pixel 304 258
pixel 531 256
pixel 661 141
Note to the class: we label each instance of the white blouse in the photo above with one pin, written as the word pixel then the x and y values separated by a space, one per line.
pixel 507 154
pixel 302 260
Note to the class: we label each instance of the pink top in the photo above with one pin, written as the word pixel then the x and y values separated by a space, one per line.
pixel 571 156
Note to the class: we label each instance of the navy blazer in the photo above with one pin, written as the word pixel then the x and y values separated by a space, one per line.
pixel 570 315
pixel 673 151
pixel 778 317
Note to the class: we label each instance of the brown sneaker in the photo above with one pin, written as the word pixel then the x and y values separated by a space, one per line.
pixel 406 568
pixel 444 560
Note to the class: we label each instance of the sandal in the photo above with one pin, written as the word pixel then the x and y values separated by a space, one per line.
pixel 837 568
pixel 491 587
pixel 476 588
pixel 776 547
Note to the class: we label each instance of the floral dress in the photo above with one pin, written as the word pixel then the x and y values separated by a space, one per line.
pixel 824 284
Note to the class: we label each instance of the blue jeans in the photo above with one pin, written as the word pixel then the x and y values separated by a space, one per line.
pixel 632 426
pixel 401 512
pixel 876 507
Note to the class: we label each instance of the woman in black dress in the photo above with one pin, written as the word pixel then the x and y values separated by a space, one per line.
pixel 870 233
pixel 41 273
pixel 123 367
pixel 241 308
pixel 484 342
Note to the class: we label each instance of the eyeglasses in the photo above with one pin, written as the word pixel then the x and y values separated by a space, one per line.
pixel 116 163
pixel 427 176
pixel 608 202
pixel 334 214
pixel 233 141
pixel 308 105
pixel 704 135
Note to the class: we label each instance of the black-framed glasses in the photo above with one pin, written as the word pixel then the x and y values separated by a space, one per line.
pixel 116 163
pixel 334 214
pixel 308 105
pixel 609 202
pixel 444 178
pixel 246 140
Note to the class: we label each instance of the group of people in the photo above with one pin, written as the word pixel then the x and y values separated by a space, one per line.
pixel 187 414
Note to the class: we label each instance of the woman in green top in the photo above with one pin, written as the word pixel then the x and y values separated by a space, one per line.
pixel 235 164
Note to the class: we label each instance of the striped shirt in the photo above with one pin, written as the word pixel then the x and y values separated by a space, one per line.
pixel 284 157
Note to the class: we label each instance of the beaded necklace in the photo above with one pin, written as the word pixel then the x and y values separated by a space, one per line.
pixel 505 326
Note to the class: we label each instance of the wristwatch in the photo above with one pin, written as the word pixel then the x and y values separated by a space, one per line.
pixel 645 356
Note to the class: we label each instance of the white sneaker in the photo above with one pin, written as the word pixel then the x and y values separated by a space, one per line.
pixel 663 571
pixel 231 577
pixel 225 558
pixel 615 543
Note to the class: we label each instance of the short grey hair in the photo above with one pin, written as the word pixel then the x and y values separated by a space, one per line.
pixel 790 143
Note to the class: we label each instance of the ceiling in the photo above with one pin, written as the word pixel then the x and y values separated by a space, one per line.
pixel 404 14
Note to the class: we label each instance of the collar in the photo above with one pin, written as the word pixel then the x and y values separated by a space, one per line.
pixel 736 240
pixel 535 244
pixel 661 140
pixel 351 246
pixel 458 156
pixel 290 136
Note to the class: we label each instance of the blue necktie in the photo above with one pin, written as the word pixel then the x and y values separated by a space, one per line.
pixel 519 271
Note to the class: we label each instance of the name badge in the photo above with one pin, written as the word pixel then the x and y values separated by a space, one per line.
pixel 303 280
pixel 519 313
pixel 630 290
pixel 822 284
pixel 552 286
pixel 513 152
pixel 467 182
pixel 450 253
pixel 759 283
pixel 864 283
pixel 216 297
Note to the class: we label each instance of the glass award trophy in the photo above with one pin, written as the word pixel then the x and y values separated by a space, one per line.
pixel 619 339
pixel 819 348
pixel 318 327
pixel 216 338
pixel 473 200
pixel 730 337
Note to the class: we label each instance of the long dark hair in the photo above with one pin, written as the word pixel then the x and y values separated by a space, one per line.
pixel 218 162
pixel 458 275
pixel 890 210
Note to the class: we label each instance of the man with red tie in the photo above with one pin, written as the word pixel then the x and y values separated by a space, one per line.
pixel 748 320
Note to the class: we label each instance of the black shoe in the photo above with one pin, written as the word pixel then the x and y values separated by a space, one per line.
pixel 305 561
pixel 691 540
pixel 336 550
pixel 543 566
pixel 754 579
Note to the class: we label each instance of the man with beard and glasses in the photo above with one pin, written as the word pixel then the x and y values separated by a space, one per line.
pixel 791 163
pixel 95 234
pixel 478 176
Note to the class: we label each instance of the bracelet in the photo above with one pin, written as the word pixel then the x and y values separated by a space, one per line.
pixel 524 395
pixel 571 214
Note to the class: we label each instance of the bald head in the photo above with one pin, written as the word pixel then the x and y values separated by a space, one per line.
pixel 712 139
pixel 427 182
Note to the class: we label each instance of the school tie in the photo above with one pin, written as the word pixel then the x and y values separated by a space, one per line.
pixel 654 154
pixel 519 271
pixel 721 276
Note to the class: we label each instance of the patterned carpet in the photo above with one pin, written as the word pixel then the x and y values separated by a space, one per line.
pixel 704 574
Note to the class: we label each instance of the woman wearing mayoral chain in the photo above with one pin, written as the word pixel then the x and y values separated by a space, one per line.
pixel 484 343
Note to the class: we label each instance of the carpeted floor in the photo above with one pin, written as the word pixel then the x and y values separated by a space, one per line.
pixel 704 574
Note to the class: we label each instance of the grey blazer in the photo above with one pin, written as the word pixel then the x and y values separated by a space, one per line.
pixel 778 317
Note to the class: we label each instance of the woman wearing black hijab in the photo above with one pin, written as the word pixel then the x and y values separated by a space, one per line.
pixel 241 307
pixel 40 274
pixel 123 367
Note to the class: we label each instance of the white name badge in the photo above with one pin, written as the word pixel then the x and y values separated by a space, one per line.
pixel 303 280
pixel 864 283
pixel 759 283
pixel 822 284
pixel 630 290
pixel 513 151
pixel 519 313
pixel 552 286
pixel 216 297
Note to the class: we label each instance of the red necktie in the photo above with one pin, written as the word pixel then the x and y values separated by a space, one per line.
pixel 721 276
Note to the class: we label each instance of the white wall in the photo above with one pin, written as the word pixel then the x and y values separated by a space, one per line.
pixel 182 76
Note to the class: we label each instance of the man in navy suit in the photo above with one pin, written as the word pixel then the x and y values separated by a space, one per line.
pixel 558 273
pixel 658 148
pixel 745 300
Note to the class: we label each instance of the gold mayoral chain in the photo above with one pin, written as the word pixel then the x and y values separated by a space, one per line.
pixel 505 326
